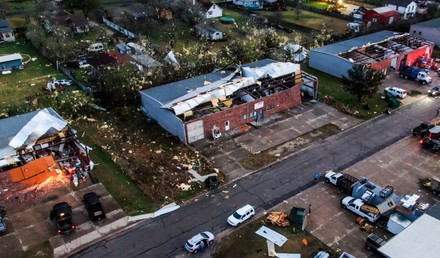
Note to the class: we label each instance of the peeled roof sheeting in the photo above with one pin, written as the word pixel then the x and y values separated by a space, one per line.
pixel 39 125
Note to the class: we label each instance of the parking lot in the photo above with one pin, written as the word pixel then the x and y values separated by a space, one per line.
pixel 400 165
pixel 31 226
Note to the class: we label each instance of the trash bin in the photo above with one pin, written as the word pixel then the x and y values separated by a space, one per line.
pixel 393 103
pixel 212 182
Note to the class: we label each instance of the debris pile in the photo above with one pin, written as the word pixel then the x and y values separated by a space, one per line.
pixel 277 218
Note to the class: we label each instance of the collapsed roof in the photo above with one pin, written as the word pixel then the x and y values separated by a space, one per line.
pixel 377 51
pixel 228 85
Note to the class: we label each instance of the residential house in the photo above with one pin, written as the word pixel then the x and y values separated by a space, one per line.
pixel 207 32
pixel 6 32
pixel 381 50
pixel 210 9
pixel 72 23
pixel 39 134
pixel 428 30
pixel 407 8
pixel 209 105
pixel 381 15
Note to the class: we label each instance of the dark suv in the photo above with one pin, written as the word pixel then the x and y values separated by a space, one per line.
pixel 62 213
pixel 422 130
pixel 374 242
pixel 430 144
pixel 93 206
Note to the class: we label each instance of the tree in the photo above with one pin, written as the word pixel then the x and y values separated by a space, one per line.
pixel 298 8
pixel 85 6
pixel 5 6
pixel 362 81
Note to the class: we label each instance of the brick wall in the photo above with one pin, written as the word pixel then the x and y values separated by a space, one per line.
pixel 272 104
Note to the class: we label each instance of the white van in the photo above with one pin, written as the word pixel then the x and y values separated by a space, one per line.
pixel 397 92
pixel 241 215
pixel 96 47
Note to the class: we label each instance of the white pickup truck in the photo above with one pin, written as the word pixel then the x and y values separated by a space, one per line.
pixel 358 206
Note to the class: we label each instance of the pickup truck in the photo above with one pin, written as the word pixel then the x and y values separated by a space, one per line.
pixel 422 130
pixel 358 206
pixel 417 74
pixel 343 181
pixel 430 144
pixel 431 183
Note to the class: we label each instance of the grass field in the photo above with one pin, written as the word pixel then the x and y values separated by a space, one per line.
pixel 244 243
pixel 332 92
pixel 311 20
pixel 21 84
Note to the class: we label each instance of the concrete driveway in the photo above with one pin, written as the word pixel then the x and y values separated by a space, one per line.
pixel 31 226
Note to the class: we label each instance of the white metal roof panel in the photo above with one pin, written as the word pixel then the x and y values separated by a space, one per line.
pixel 10 57
pixel 272 235
pixel 420 239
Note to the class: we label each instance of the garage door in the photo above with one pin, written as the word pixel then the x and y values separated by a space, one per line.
pixel 195 131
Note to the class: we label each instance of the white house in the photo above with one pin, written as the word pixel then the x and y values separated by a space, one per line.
pixel 208 32
pixel 407 8
pixel 6 31
pixel 210 10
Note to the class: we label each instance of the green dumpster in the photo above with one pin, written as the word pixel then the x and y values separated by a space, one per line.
pixel 393 103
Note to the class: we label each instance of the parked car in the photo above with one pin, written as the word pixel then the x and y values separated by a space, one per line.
pixel 199 242
pixel 64 82
pixel 397 92
pixel 430 144
pixel 422 130
pixel 62 213
pixel 241 215
pixel 2 225
pixel 83 64
pixel 434 91
pixel 93 206
pixel 374 242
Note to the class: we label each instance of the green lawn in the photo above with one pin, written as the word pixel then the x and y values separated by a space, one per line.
pixel 131 199
pixel 311 20
pixel 331 91
pixel 244 243
pixel 16 87
pixel 317 5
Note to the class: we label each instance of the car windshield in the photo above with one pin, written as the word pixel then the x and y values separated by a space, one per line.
pixel 236 215
pixel 204 235
pixel 188 243
pixel 2 223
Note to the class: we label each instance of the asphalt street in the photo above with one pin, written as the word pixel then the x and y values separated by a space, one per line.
pixel 165 236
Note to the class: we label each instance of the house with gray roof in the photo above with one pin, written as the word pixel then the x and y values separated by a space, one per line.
pixel 381 50
pixel 210 105
pixel 27 137
pixel 6 32
pixel 428 30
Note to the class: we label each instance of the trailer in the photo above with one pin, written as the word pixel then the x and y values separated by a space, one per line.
pixel 9 62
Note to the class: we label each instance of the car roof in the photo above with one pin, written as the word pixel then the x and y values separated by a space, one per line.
pixel 91 198
pixel 244 209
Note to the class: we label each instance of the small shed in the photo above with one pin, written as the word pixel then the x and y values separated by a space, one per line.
pixel 208 32
pixel 6 32
pixel 12 61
